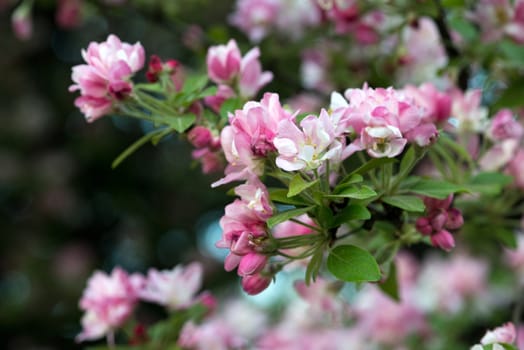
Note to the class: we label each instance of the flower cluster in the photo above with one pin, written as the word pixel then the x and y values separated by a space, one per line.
pixel 439 219
pixel 109 300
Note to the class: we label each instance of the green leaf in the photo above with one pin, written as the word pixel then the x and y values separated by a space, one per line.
pixel 280 195
pixel 362 192
pixel 314 266
pixel 512 51
pixel 387 253
pixel 352 212
pixel 349 180
pixel 505 346
pixel 512 96
pixel 135 146
pixel 506 237
pixel 194 83
pixel 407 160
pixel 181 122
pixel 489 183
pixel 352 264
pixel 408 203
pixel 230 105
pixel 286 215
pixel 435 188
pixel 298 184
pixel 463 27
pixel 370 165
pixel 390 285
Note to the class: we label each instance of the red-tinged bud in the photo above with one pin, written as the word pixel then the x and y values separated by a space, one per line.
pixel 255 284
pixel 139 335
pixel 443 240
pixel 200 136
pixel 423 226
pixel 435 204
pixel 455 219
pixel 209 301
pixel 439 220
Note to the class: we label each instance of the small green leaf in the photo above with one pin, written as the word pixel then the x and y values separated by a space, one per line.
pixel 352 212
pixel 435 188
pixel 370 165
pixel 506 237
pixel 489 183
pixel 279 195
pixel 194 83
pixel 362 192
pixel 387 253
pixel 314 266
pixel 352 264
pixel 390 285
pixel 286 215
pixel 298 184
pixel 349 180
pixel 181 122
pixel 230 106
pixel 407 160
pixel 408 203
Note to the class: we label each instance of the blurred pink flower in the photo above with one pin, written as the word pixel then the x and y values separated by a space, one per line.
pixel 255 17
pixel 223 62
pixel 504 126
pixel 213 334
pixel 69 13
pixel 504 334
pixel 174 288
pixel 108 301
pixel 22 21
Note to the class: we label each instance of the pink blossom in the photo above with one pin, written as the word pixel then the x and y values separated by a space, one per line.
pixel 211 160
pixel 251 78
pixel 515 168
pixel 255 284
pixel 244 228
pixel 174 288
pixel 385 320
pixel 321 295
pixel 425 54
pixel 224 92
pixel 497 18
pixel 68 13
pixel 226 66
pixel 383 121
pixel 213 334
pixel 223 62
pixel 108 302
pixel 437 104
pixel 307 148
pixel 504 334
pixel 468 114
pixel 447 285
pixel 249 138
pixel 295 16
pixel 251 263
pixel 255 17
pixel 499 155
pixel 200 136
pixel 291 229
pixel 22 22
pixel 314 70
pixel 515 29
pixel 105 77
pixel 504 126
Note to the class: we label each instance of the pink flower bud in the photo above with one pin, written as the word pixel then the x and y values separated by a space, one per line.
pixel 455 219
pixel 504 126
pixel 21 21
pixel 423 226
pixel 439 220
pixel 200 136
pixel 254 284
pixel 435 204
pixel 68 13
pixel 251 263
pixel 443 240
pixel 154 68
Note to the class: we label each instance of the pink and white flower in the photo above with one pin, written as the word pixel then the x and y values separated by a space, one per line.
pixel 308 148
pixel 106 76
pixel 174 289
pixel 108 301
pixel 255 17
